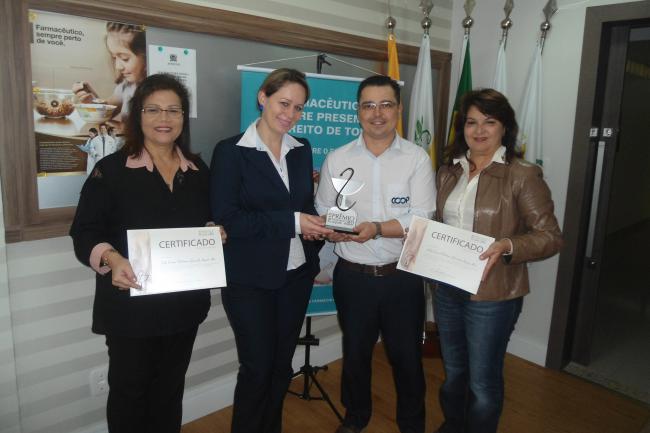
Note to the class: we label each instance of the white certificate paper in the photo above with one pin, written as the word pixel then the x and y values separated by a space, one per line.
pixel 175 260
pixel 444 253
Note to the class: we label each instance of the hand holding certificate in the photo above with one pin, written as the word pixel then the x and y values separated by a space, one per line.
pixel 444 253
pixel 173 260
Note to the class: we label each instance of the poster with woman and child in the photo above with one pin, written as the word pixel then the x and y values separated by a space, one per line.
pixel 84 72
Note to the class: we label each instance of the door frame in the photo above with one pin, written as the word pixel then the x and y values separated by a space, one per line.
pixel 567 293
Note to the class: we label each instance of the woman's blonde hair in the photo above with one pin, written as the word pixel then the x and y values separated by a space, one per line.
pixel 278 78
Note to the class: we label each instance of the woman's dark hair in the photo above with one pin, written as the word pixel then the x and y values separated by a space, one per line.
pixel 133 136
pixel 490 103
pixel 138 43
pixel 379 81
pixel 278 78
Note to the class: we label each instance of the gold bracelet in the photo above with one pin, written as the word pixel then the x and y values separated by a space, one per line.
pixel 104 261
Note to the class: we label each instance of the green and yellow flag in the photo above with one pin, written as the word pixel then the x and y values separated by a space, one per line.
pixel 464 85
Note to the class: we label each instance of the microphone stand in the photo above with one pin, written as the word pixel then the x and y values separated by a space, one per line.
pixel 308 371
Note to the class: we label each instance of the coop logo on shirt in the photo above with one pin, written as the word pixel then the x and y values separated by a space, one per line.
pixel 400 201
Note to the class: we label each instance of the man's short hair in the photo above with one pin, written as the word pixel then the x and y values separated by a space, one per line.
pixel 379 80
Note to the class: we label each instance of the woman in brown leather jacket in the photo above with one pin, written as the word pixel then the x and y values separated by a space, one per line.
pixel 489 189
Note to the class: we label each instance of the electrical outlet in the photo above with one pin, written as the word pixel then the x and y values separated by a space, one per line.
pixel 99 381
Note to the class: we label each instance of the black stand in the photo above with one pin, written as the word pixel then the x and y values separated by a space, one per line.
pixel 308 371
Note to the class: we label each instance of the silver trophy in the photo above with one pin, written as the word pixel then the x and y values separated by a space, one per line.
pixel 341 218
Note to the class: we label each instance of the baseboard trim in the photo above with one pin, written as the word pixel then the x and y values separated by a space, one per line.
pixel 211 397
pixel 528 350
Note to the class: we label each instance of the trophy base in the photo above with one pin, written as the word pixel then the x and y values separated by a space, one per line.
pixel 341 221
pixel 340 230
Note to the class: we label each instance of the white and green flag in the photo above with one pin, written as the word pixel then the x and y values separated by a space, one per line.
pixel 420 122
pixel 500 81
pixel 530 112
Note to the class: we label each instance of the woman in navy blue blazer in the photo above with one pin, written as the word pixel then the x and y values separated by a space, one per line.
pixel 262 193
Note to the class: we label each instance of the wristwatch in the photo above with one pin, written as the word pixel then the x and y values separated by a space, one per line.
pixel 378 228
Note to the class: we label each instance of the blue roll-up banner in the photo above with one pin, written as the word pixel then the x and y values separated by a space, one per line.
pixel 328 121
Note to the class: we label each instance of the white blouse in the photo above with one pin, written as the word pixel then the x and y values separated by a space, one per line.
pixel 459 207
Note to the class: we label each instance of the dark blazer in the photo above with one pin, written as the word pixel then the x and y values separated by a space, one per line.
pixel 248 197
pixel 116 198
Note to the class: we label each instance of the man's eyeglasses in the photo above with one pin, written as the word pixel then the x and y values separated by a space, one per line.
pixel 156 111
pixel 383 106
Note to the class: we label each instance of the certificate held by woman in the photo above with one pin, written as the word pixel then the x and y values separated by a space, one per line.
pixel 176 260
pixel 444 253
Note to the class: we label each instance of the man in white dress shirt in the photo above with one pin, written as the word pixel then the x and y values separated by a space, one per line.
pixel 372 297
pixel 100 146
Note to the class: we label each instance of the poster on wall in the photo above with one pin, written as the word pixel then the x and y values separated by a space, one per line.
pixel 179 62
pixel 84 72
pixel 329 121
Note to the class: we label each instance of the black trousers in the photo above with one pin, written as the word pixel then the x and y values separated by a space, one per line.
pixel 266 324
pixel 146 378
pixel 392 305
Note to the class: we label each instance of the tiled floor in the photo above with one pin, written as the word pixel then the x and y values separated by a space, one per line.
pixel 621 344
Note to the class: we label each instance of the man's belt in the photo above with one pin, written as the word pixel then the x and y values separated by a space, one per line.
pixel 376 271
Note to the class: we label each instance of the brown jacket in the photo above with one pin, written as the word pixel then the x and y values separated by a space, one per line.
pixel 512 201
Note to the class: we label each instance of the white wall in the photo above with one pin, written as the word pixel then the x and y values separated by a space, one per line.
pixel 358 17
pixel 561 68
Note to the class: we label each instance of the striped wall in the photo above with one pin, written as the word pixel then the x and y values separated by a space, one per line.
pixel 51 299
pixel 9 413
pixel 358 17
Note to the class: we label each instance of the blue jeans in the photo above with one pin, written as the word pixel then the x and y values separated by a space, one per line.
pixel 473 338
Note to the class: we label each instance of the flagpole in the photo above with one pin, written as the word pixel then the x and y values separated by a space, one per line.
pixel 421 132
pixel 500 81
pixel 465 79
pixel 468 22
pixel 506 23
pixel 549 10
pixel 393 60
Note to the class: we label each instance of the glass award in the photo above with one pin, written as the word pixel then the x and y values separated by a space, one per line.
pixel 341 217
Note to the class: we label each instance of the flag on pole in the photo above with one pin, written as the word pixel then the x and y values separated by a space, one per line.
pixel 530 113
pixel 420 121
pixel 464 85
pixel 393 70
pixel 500 82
